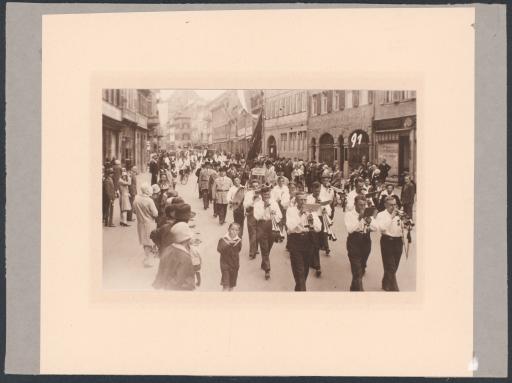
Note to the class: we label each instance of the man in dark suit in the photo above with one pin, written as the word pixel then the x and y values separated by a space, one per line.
pixel 384 170
pixel 132 189
pixel 109 195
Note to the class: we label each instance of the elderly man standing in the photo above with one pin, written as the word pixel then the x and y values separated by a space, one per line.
pixel 146 212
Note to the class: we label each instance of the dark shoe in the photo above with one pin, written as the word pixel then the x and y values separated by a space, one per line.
pixel 267 275
pixel 318 273
pixel 328 252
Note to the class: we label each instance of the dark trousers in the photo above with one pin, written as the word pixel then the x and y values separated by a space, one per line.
pixel 206 198
pixel 222 209
pixel 391 249
pixel 251 229
pixel 300 258
pixel 215 209
pixel 239 217
pixel 154 178
pixel 324 239
pixel 315 250
pixel 265 241
pixel 129 215
pixel 108 212
pixel 199 191
pixel 408 209
pixel 359 246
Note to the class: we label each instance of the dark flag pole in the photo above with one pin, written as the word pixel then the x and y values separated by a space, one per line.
pixel 256 139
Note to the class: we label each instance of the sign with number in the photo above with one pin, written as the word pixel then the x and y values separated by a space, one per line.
pixel 356 139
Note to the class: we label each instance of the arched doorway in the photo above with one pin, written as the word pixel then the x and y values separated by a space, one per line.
pixel 326 152
pixel 313 149
pixel 358 147
pixel 271 147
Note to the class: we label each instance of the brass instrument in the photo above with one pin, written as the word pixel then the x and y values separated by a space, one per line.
pixel 277 231
pixel 327 226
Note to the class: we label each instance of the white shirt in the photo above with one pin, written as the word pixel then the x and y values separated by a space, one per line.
pixel 326 194
pixel 280 193
pixel 327 208
pixel 296 222
pixel 262 212
pixel 249 199
pixel 353 223
pixel 389 226
pixel 351 199
pixel 231 192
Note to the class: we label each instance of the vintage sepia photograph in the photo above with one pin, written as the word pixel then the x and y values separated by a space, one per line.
pixel 259 190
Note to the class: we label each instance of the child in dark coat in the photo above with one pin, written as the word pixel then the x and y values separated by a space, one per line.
pixel 229 248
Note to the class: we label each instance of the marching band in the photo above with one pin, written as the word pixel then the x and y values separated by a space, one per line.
pixel 288 200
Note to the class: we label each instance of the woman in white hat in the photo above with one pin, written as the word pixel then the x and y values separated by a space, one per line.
pixel 176 270
pixel 124 197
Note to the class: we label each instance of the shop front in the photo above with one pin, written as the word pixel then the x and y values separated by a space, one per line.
pixel 110 134
pixel 395 141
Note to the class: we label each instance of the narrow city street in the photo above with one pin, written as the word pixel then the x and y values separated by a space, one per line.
pixel 123 257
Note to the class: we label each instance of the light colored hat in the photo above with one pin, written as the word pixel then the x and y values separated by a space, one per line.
pixel 181 232
pixel 155 189
pixel 117 162
pixel 146 189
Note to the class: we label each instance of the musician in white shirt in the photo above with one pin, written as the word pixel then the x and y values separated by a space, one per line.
pixel 359 189
pixel 250 197
pixel 391 243
pixel 358 240
pixel 266 210
pixel 301 225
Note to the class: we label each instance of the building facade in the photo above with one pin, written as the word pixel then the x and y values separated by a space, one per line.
pixel 285 123
pixel 125 125
pixel 395 132
pixel 229 124
pixel 340 127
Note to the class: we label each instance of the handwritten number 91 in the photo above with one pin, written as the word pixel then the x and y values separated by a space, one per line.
pixel 356 139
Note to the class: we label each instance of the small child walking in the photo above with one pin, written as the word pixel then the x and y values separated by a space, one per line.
pixel 195 257
pixel 229 248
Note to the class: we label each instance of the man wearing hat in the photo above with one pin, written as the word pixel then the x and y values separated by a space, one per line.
pixel 132 190
pixel 327 195
pixel 220 190
pixel 204 181
pixel 109 195
pixel 270 174
pixel 266 210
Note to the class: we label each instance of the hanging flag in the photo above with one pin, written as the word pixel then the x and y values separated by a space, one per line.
pixel 241 97
pixel 256 139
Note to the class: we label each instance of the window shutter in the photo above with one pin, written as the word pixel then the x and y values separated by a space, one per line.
pixel 370 97
pixel 342 99
pixel 330 107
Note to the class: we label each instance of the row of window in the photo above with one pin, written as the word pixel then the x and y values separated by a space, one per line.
pixel 333 101
pixel 286 105
pixel 130 99
pixel 296 141
pixel 329 101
